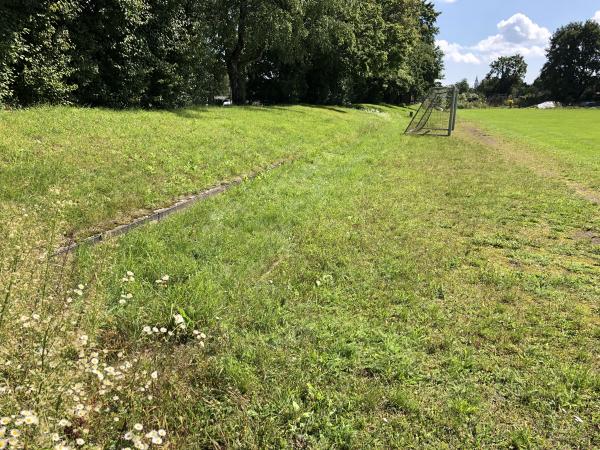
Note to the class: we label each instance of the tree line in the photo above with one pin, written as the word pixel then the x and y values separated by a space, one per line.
pixel 172 53
pixel 570 75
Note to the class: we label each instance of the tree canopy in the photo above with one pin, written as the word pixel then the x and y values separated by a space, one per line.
pixel 572 71
pixel 168 53
pixel 507 73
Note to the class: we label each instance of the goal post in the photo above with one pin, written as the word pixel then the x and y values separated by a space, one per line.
pixel 437 113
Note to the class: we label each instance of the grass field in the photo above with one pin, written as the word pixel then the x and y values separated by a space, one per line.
pixel 379 291
pixel 568 137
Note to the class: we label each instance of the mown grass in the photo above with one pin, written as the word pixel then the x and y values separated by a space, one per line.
pixel 380 291
pixel 569 137
pixel 97 167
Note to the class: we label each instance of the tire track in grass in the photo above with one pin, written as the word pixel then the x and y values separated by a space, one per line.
pixel 162 213
pixel 510 152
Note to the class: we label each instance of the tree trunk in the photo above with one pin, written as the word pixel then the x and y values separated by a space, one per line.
pixel 235 66
pixel 237 82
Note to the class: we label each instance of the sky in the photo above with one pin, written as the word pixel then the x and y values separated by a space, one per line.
pixel 475 32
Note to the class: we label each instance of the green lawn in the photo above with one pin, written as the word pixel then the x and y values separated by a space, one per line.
pixel 570 137
pixel 99 166
pixel 379 291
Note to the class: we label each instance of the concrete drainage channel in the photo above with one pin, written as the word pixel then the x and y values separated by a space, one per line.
pixel 163 213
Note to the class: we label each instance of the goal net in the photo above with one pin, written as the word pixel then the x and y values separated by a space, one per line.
pixel 437 113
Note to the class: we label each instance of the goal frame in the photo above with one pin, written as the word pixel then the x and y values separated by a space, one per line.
pixel 420 123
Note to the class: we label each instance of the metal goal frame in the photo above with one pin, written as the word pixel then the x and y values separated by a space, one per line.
pixel 436 115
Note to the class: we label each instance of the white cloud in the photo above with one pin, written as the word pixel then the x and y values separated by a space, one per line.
pixel 597 17
pixel 517 34
pixel 448 1
pixel 456 53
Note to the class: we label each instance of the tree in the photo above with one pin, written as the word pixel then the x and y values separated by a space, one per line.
pixel 241 31
pixel 463 86
pixel 572 71
pixel 506 75
pixel 36 50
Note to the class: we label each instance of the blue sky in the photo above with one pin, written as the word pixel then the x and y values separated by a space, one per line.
pixel 474 32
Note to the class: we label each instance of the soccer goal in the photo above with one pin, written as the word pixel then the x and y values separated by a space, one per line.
pixel 437 114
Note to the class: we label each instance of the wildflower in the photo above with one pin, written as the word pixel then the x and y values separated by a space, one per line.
pixel 64 423
pixel 15 433
pixel 5 420
pixel 157 440
pixel 179 320
pixel 162 432
pixel 80 286
pixel 3 444
pixel 79 441
pixel 163 330
pixel 147 330
pixel 78 292
pixel 31 420
pixel 2 431
pixel 128 436
pixel 138 427
pixel 62 447
pixel 154 375
pixel 55 437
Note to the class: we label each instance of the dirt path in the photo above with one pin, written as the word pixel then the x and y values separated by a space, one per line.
pixel 511 152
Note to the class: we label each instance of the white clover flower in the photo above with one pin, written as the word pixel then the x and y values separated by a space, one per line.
pixel 55 437
pixel 64 423
pixel 79 441
pixel 129 273
pixel 162 432
pixel 163 330
pixel 147 330
pixel 165 277
pixel 154 375
pixel 128 436
pixel 78 292
pixel 157 440
pixel 138 427
pixel 81 286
